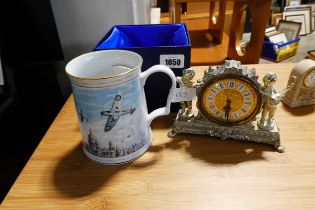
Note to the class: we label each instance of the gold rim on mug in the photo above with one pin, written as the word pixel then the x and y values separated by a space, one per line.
pixel 102 78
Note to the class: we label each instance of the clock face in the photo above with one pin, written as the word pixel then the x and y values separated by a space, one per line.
pixel 230 100
pixel 309 79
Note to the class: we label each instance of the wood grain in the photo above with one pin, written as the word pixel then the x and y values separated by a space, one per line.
pixel 186 172
pixel 259 10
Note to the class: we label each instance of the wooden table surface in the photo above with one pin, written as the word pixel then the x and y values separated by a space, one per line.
pixel 186 172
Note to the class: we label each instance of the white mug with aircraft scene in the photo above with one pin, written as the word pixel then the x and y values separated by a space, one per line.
pixel 110 102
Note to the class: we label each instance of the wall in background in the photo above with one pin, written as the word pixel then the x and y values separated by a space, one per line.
pixel 81 24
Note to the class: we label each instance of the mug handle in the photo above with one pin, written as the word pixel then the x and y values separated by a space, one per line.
pixel 164 110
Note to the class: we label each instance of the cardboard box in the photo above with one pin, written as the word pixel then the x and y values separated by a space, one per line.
pixel 167 44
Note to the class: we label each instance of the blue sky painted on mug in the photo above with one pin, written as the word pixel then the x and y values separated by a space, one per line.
pixel 93 100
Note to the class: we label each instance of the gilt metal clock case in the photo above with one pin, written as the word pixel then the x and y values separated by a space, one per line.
pixel 229 98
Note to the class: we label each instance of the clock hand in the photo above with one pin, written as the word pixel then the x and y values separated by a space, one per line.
pixel 227 109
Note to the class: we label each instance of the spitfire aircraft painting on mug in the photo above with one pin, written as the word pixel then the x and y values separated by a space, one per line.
pixel 109 131
pixel 115 112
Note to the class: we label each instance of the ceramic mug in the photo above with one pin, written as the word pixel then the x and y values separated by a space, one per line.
pixel 110 102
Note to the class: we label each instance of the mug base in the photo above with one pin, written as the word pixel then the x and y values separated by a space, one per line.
pixel 120 160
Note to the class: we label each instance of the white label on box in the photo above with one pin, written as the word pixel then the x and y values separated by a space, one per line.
pixel 173 61
pixel 184 94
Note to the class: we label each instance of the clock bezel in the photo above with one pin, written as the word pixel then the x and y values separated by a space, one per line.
pixel 255 85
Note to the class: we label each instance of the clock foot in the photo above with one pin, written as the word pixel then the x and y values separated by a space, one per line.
pixel 280 148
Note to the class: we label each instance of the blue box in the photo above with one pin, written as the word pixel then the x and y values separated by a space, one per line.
pixel 278 52
pixel 167 44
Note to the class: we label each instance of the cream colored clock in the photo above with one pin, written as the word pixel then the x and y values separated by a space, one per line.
pixel 303 93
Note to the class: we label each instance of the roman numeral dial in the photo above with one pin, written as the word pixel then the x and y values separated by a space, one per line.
pixel 230 100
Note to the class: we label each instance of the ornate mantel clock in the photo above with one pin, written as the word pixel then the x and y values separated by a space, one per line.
pixel 229 98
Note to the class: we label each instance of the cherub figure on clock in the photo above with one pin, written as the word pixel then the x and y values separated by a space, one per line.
pixel 185 81
pixel 272 98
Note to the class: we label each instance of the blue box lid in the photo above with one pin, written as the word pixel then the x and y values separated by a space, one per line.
pixel 143 36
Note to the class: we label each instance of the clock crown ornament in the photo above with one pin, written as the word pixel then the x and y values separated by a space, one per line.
pixel 229 67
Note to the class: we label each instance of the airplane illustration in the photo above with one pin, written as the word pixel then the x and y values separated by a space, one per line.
pixel 115 113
